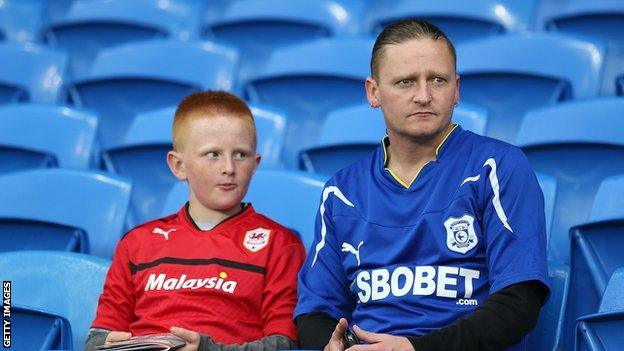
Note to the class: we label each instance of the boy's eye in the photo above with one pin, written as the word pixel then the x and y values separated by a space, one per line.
pixel 240 155
pixel 212 154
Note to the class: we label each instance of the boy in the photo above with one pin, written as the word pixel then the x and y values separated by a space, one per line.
pixel 215 273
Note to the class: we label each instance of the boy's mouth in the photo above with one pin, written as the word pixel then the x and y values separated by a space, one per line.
pixel 226 186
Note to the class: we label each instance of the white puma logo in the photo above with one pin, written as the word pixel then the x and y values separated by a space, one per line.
pixel 346 247
pixel 164 233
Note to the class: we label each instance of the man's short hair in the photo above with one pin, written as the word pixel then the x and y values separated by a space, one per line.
pixel 405 30
pixel 209 104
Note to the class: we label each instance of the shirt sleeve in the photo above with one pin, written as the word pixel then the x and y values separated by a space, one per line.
pixel 115 309
pixel 322 281
pixel 513 220
pixel 280 290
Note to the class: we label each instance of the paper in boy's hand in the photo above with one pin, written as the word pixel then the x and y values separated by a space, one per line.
pixel 154 342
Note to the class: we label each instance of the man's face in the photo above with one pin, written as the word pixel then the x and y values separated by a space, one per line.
pixel 416 88
pixel 218 160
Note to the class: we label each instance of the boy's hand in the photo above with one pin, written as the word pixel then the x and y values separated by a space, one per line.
pixel 378 341
pixel 336 343
pixel 116 336
pixel 191 338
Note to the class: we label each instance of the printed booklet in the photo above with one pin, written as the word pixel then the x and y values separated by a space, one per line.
pixel 154 342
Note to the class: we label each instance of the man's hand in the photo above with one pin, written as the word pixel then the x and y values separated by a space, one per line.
pixel 191 338
pixel 336 342
pixel 380 342
pixel 116 336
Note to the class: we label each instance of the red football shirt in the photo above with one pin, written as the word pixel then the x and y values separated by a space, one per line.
pixel 236 282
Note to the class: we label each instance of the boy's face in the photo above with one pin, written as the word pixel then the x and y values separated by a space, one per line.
pixel 218 159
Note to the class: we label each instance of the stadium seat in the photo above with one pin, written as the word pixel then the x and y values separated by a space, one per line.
pixel 256 28
pixel 460 20
pixel 67 284
pixel 596 254
pixel 58 209
pixel 35 135
pixel 580 144
pixel 548 185
pixel 271 194
pixel 547 333
pixel 30 73
pixel 45 331
pixel 145 148
pixel 620 85
pixel 89 26
pixel 20 19
pixel 135 78
pixel 601 21
pixel 509 75
pixel 336 148
pixel 298 80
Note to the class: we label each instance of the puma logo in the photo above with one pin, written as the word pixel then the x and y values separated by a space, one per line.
pixel 164 233
pixel 346 247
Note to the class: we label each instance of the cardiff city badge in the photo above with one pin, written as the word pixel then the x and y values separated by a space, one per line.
pixel 460 234
pixel 256 239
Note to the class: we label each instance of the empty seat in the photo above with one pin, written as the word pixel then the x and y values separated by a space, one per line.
pixel 57 209
pixel 258 27
pixel 44 331
pixel 35 135
pixel 509 75
pixel 547 333
pixel 146 145
pixel 131 79
pixel 20 19
pixel 596 252
pixel 63 283
pixel 460 20
pixel 271 194
pixel 597 20
pixel 580 144
pixel 298 80
pixel 29 72
pixel 89 26
pixel 351 133
pixel 548 184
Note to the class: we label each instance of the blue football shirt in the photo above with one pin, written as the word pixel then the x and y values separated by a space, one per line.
pixel 406 259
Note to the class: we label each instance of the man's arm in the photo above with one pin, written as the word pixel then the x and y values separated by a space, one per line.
pixel 502 320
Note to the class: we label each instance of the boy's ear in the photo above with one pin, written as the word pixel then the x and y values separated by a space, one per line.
pixel 176 164
pixel 258 159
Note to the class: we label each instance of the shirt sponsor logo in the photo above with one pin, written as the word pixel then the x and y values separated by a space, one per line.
pixel 162 282
pixel 460 234
pixel 440 281
pixel 256 239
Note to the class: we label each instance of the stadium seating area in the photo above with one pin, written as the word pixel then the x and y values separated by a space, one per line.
pixel 88 89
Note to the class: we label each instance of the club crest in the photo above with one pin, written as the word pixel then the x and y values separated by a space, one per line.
pixel 460 234
pixel 256 239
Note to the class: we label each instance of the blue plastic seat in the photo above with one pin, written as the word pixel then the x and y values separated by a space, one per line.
pixel 509 75
pixel 335 148
pixel 580 144
pixel 35 135
pixel 44 331
pixel 460 20
pixel 620 85
pixel 20 19
pixel 258 27
pixel 63 283
pixel 547 333
pixel 57 209
pixel 271 194
pixel 135 78
pixel 597 254
pixel 601 21
pixel 30 73
pixel 145 148
pixel 298 80
pixel 548 184
pixel 92 25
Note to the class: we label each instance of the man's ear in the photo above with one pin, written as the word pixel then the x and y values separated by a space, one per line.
pixel 176 164
pixel 371 92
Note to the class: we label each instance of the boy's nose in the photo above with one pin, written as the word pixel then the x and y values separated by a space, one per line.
pixel 228 166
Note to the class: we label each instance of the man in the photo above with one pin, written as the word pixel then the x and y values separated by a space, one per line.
pixel 436 241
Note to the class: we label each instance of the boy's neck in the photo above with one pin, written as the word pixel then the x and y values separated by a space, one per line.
pixel 200 213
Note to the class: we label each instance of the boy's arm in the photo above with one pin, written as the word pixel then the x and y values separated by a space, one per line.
pixel 271 342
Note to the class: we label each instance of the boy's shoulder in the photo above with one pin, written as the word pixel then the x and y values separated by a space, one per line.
pixel 152 226
pixel 283 234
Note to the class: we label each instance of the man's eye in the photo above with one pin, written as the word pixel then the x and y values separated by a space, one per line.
pixel 405 82
pixel 439 80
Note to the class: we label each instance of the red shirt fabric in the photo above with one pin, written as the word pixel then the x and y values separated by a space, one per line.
pixel 235 283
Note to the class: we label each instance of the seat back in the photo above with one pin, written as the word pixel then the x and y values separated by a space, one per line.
pixel 45 331
pixel 45 200
pixel 37 135
pixel 515 78
pixel 20 20
pixel 63 283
